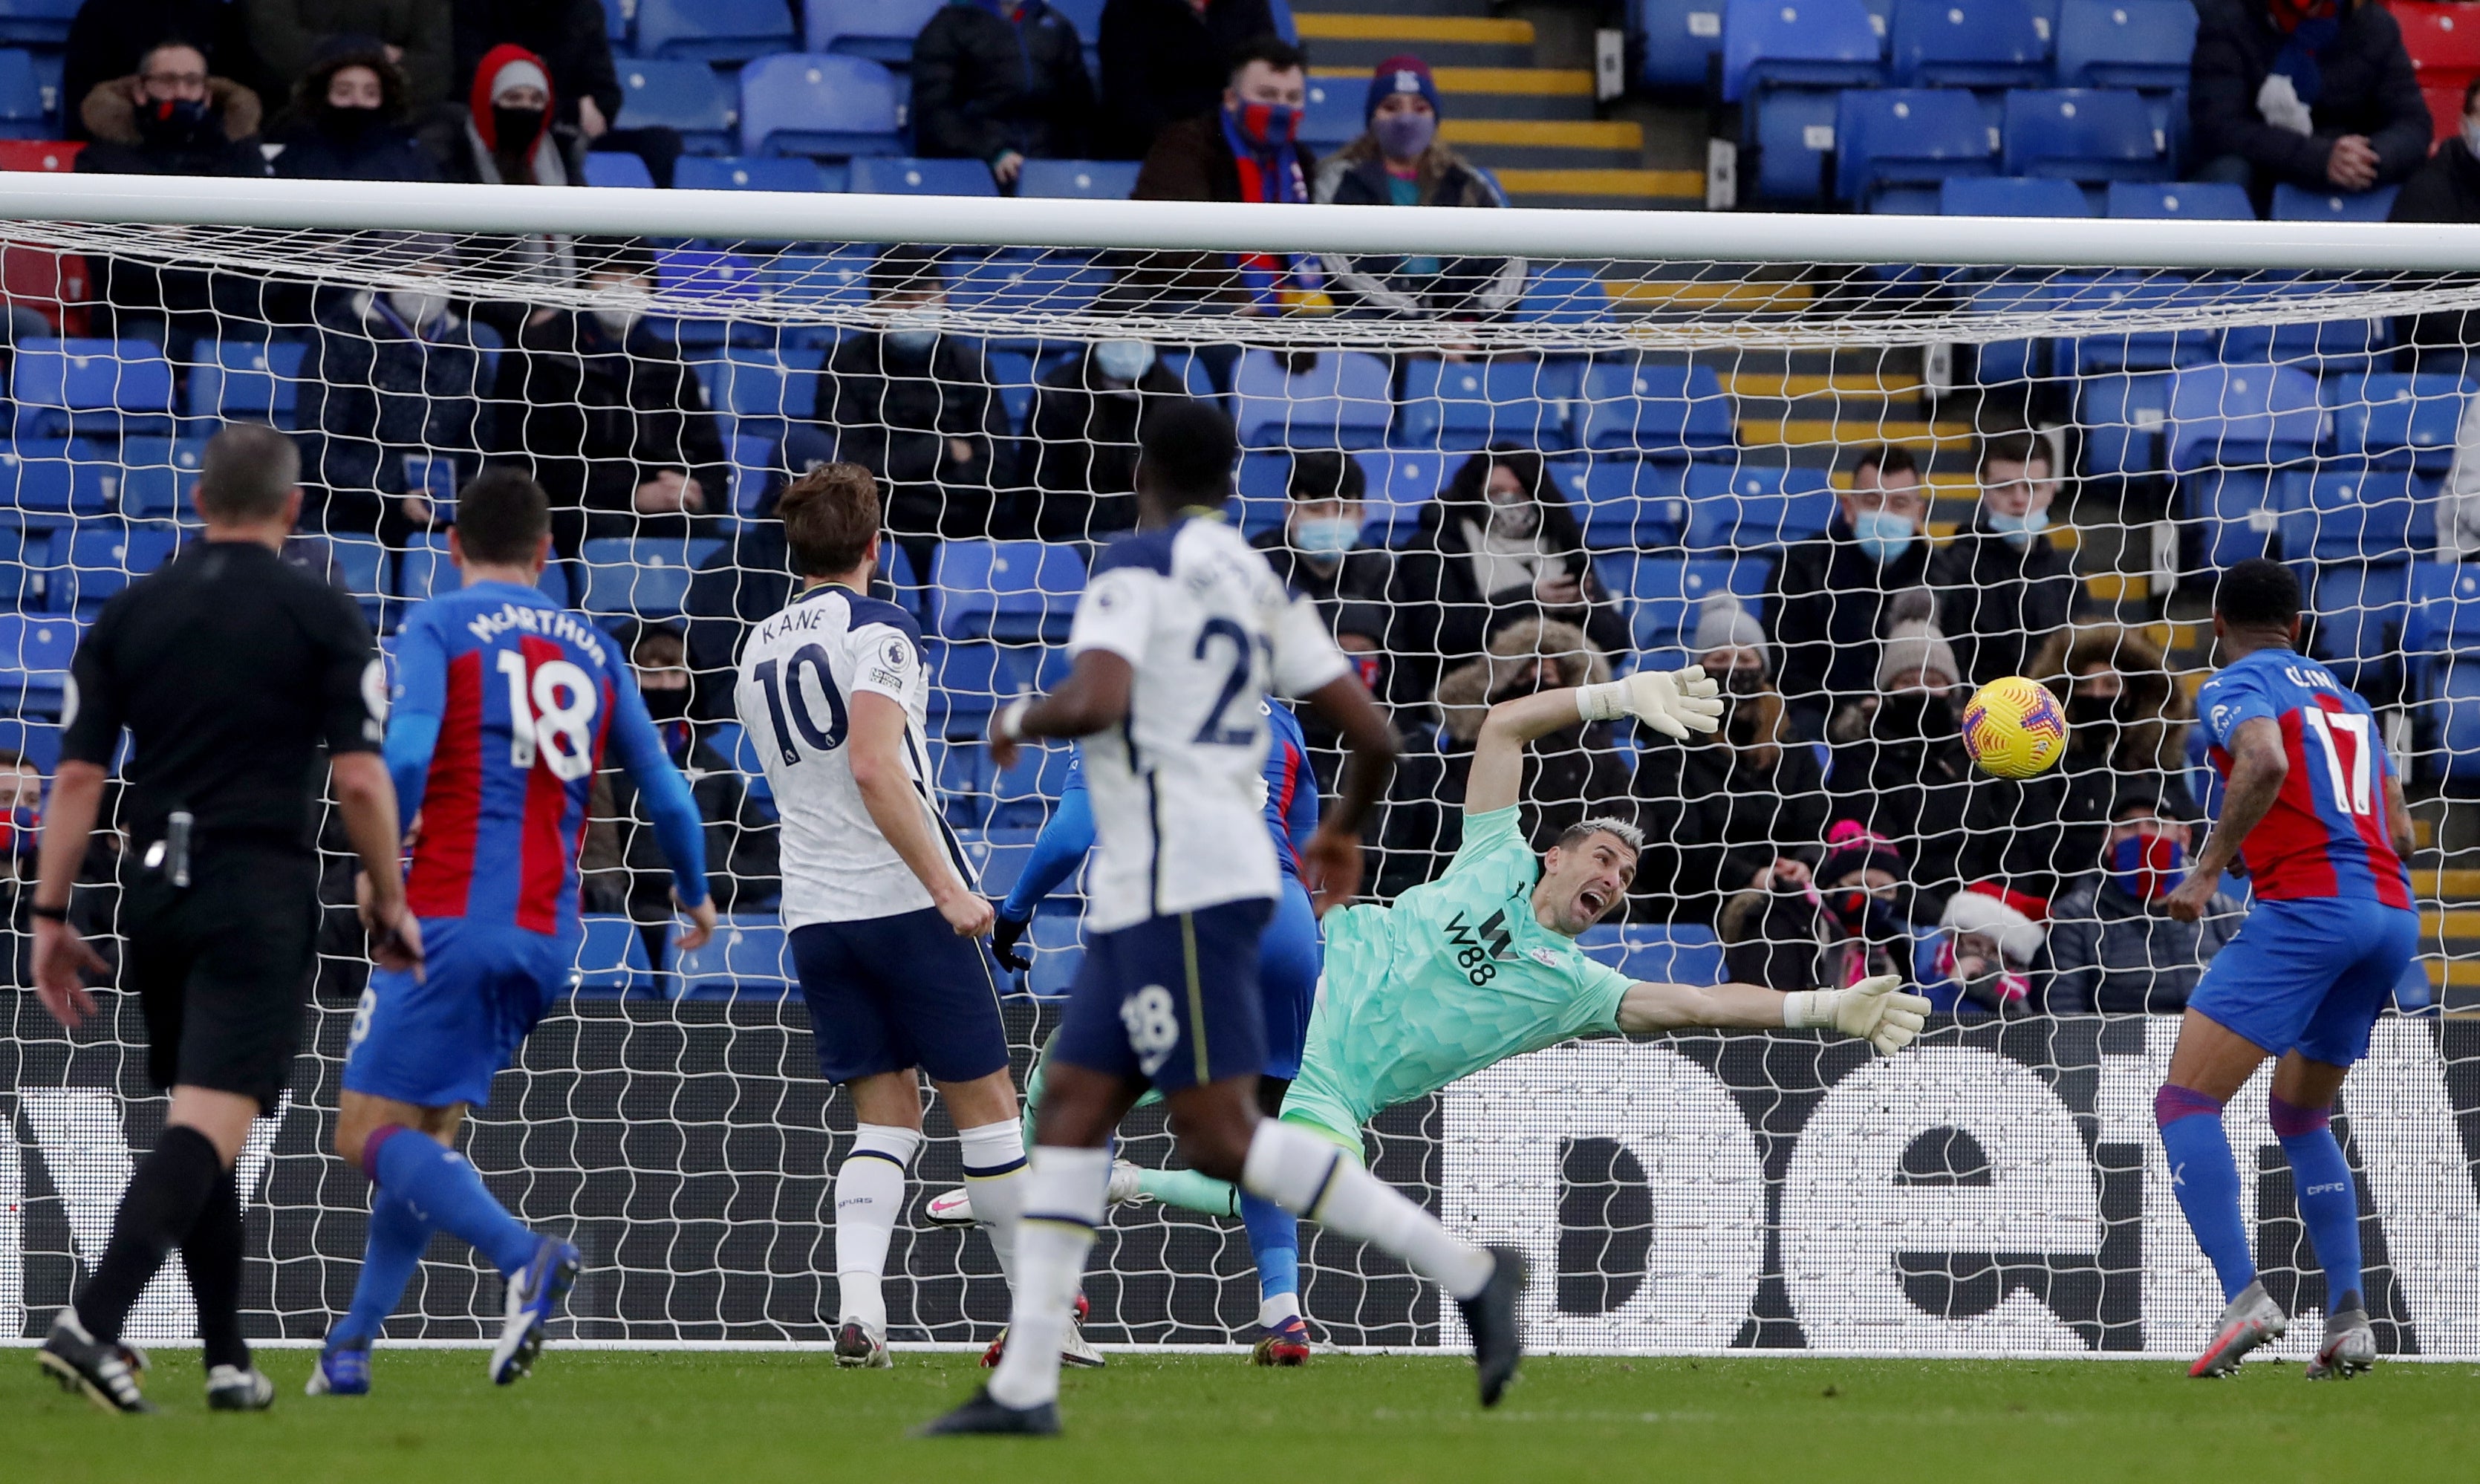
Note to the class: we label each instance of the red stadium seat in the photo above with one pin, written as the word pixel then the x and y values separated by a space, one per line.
pixel 2443 40
pixel 39 154
pixel 2445 108
pixel 52 283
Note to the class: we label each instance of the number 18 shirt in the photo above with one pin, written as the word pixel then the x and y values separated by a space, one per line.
pixel 2325 835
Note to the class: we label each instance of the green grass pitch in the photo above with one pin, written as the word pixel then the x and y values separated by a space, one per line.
pixel 751 1417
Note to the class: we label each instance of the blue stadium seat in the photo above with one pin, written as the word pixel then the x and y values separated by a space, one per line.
pixel 830 106
pixel 1655 410
pixel 1657 953
pixel 1331 117
pixel 2130 350
pixel 615 169
pixel 36 741
pixel 1058 949
pixel 23 108
pixel 2125 43
pixel 2397 421
pixel 645 577
pixel 900 176
pixel 157 476
pixel 611 958
pixel 968 681
pixel 697 277
pixel 361 563
pixel 2088 134
pixel 1473 404
pixel 1791 132
pixel 2005 362
pixel 712 31
pixel 1402 484
pixel 1907 136
pixel 768 389
pixel 41 23
pixel 1799 44
pixel 422 569
pixel 880 30
pixel 2326 347
pixel 2363 608
pixel 1563 293
pixel 55 477
pixel 114 388
pixel 2126 422
pixel 1083 180
pixel 35 651
pixel 256 380
pixel 2011 196
pixel 1021 796
pixel 615 24
pixel 1342 399
pixel 94 559
pixel 1664 593
pixel 2352 514
pixel 1969 43
pixel 998 856
pixel 2239 509
pixel 1022 286
pixel 2290 203
pixel 839 280
pixel 1012 591
pixel 2254 416
pixel 747 956
pixel 1755 510
pixel 688 96
pixel 730 172
pixel 1682 40
pixel 1626 504
pixel 2203 201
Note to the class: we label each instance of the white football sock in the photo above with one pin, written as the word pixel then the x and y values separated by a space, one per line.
pixel 1063 1204
pixel 869 1200
pixel 1308 1176
pixel 1275 1310
pixel 994 1174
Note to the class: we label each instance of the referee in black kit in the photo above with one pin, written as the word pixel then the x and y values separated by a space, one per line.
pixel 229 668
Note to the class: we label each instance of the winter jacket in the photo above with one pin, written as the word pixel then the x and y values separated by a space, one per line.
pixel 1998 602
pixel 109 38
pixel 373 391
pixel 983 84
pixel 2446 189
pixel 2369 88
pixel 1479 288
pixel 1828 602
pixel 1191 161
pixel 1162 62
pixel 1081 464
pixel 569 35
pixel 896 416
pixel 596 414
pixel 385 151
pixel 742 858
pixel 1713 816
pixel 285 33
pixel 1914 790
pixel 1351 595
pixel 226 144
pixel 1786 940
pixel 2112 952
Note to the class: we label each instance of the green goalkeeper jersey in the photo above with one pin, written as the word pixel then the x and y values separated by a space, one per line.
pixel 1457 976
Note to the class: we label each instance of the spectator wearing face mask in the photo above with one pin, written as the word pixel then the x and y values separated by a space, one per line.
pixel 348 119
pixel 572 39
pixel 1983 957
pixel 287 34
pixel 108 40
pixel 1733 809
pixel 2004 589
pixel 1899 764
pixel 1832 591
pixel 1083 459
pixel 1318 552
pixel 1825 930
pixel 2111 946
pixel 1399 162
pixel 390 413
pixel 508 134
pixel 2317 92
pixel 1499 544
pixel 1164 61
pixel 1003 81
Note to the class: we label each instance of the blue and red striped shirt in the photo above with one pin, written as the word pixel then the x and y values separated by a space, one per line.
pixel 2325 835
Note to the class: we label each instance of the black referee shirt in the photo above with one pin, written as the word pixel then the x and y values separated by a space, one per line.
pixel 229 668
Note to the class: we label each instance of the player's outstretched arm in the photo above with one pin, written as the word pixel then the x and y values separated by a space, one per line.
pixel 1872 1010
pixel 1672 702
pixel 2257 768
pixel 1330 858
pixel 895 805
pixel 1094 697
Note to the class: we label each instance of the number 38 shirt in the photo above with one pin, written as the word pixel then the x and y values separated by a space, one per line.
pixel 798 671
pixel 2325 835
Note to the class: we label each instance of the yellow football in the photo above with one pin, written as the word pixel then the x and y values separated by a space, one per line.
pixel 2014 728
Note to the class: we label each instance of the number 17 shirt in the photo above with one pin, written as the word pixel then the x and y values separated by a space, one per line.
pixel 798 673
pixel 2325 835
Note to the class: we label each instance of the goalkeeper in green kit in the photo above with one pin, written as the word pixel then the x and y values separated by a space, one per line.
pixel 1481 965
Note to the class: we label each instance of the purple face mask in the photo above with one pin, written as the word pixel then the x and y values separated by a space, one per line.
pixel 1404 136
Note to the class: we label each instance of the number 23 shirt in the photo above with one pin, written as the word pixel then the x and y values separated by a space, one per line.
pixel 2325 835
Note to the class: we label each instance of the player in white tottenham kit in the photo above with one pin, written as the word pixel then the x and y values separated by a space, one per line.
pixel 1181 630
pixel 885 918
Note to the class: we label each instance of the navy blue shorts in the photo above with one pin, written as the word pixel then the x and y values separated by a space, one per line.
pixel 1173 1000
pixel 891 993
pixel 440 1039
pixel 2310 975
pixel 1288 959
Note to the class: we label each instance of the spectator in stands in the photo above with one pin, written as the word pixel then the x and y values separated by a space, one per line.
pixel 287 34
pixel 2004 589
pixel 2445 190
pixel 1725 810
pixel 1400 162
pixel 1830 591
pixel 605 415
pixel 916 407
pixel 1083 461
pixel 751 579
pixel 1792 931
pixel 1003 81
pixel 348 119
pixel 1164 61
pixel 1318 552
pixel 1569 775
pixel 110 37
pixel 2111 946
pixel 1982 957
pixel 1900 766
pixel 2317 92
pixel 389 395
pixel 572 37
pixel 1497 546
pixel 509 134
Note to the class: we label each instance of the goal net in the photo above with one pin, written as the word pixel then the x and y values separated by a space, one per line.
pixel 1864 463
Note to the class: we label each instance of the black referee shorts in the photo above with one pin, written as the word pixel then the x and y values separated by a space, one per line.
pixel 222 967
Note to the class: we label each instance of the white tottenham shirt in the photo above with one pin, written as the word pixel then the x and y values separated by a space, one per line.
pixel 1178 790
pixel 798 673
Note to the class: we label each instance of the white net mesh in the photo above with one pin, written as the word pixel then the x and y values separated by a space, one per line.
pixel 1679 431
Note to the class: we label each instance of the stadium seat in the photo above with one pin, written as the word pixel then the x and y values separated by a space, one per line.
pixel 968 681
pixel 2327 346
pixel 56 155
pixel 830 106
pixel 2202 201
pixel 2352 514
pixel 2444 112
pixel 1658 411
pixel 1085 180
pixel 610 168
pixel 94 559
pixel 256 380
pixel 1626 504
pixel 24 110
pixel 1664 593
pixel 55 477
pixel 712 31
pixel 116 388
pixel 2088 134
pixel 880 30
pixel 645 577
pixel 2444 43
pixel 762 390
pixel 1656 953
pixel 1681 40
pixel 157 476
pixel 612 957
pixel 1907 137
pixel 2124 421
pixel 1563 293
pixel 1755 510
pixel 2363 608
pixel 2240 512
pixel 615 23
pixel 2131 294
pixel 1340 400
pixel 35 651
pixel 1021 796
pixel 730 172
pixel 1017 592
pixel 687 96
pixel 2290 203
pixel 37 741
pixel 43 23
pixel 2253 416
pixel 747 956
pixel 1331 117
pixel 1799 44
pixel 836 279
pixel 2397 421
pixel 2011 196
pixel 422 569
pixel 1473 404
pixel 1024 287
pixel 900 176
pixel 1969 43
pixel 2125 43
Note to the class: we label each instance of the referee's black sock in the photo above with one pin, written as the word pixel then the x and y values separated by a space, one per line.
pixel 212 1253
pixel 160 1208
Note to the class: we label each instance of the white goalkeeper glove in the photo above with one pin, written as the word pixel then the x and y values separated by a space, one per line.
pixel 1872 1010
pixel 1671 702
